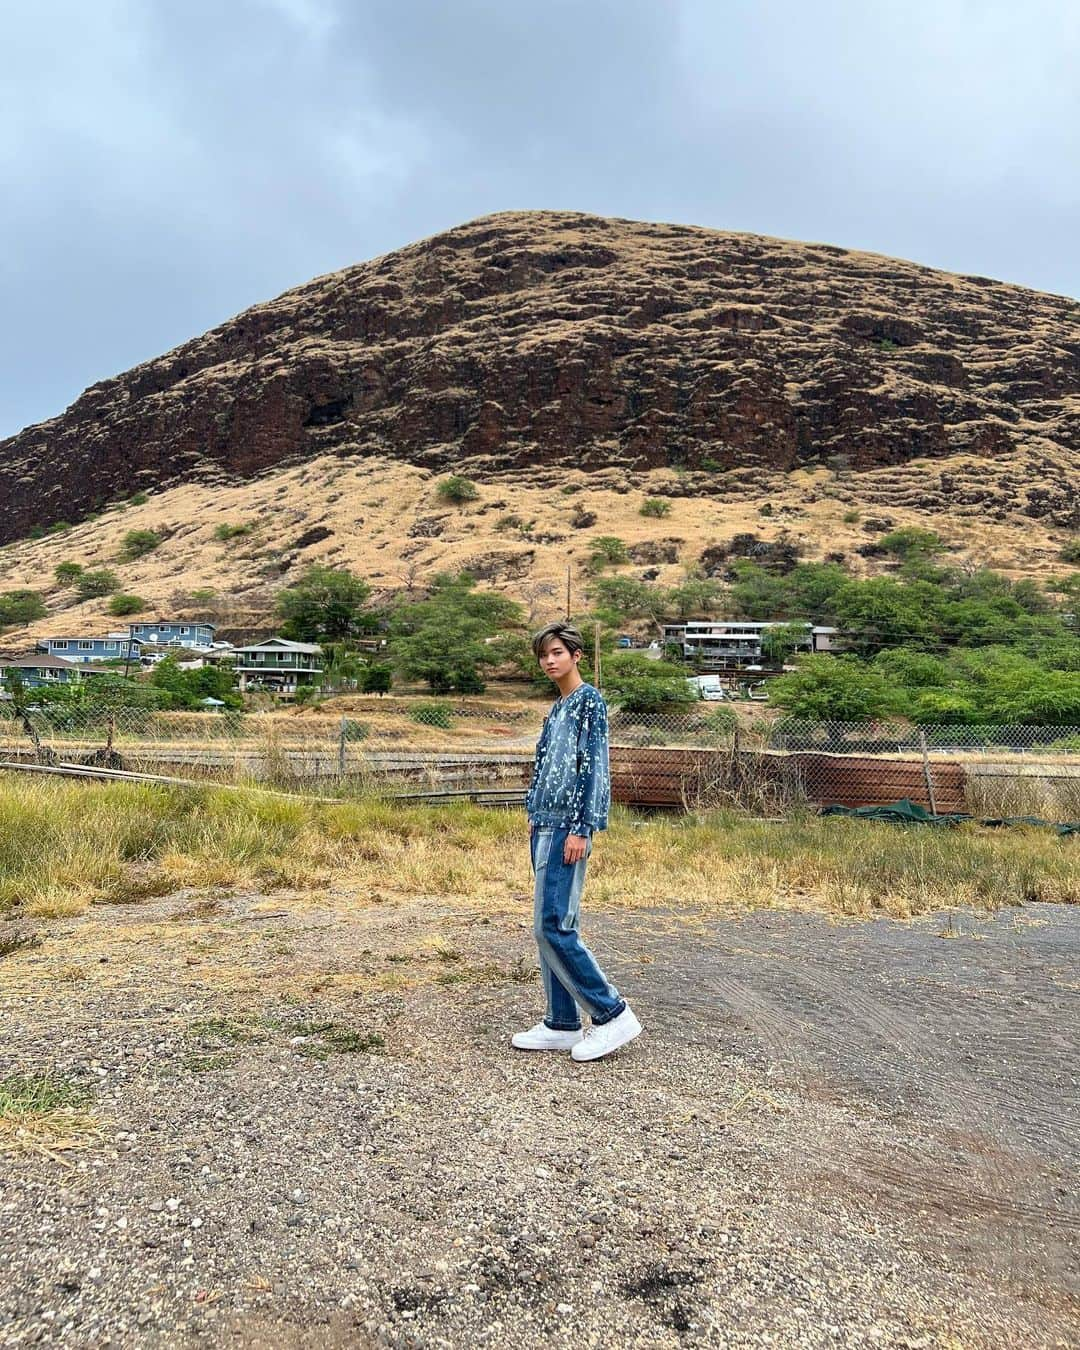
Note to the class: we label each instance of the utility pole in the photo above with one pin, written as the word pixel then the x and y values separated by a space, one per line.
pixel 127 653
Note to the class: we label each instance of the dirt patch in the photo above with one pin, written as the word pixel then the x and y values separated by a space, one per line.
pixel 829 1133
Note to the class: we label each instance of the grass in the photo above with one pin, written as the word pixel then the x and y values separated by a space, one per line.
pixel 40 1113
pixel 65 846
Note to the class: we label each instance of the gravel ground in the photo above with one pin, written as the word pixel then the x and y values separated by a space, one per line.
pixel 316 1134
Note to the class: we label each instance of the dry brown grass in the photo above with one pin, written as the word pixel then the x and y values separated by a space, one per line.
pixel 372 506
pixel 44 1114
pixel 64 846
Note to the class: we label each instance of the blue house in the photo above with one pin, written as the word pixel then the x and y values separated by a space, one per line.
pixel 35 671
pixel 82 650
pixel 172 633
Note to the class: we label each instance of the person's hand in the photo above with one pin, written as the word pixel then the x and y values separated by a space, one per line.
pixel 574 848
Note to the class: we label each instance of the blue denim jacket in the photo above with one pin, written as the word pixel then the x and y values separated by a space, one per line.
pixel 571 782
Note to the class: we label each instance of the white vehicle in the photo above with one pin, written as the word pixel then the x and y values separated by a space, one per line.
pixel 708 687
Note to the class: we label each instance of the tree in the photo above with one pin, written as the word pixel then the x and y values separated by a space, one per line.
pixel 443 639
pixel 137 543
pixel 882 611
pixel 835 689
pixel 642 686
pixel 457 490
pixel 655 506
pixel 67 572
pixel 377 679
pixel 621 598
pixel 780 642
pixel 188 688
pixel 606 549
pixel 97 583
pixel 21 607
pixel 694 595
pixel 325 605
pixel 126 604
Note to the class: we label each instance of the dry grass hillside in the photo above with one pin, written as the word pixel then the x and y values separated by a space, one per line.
pixel 385 520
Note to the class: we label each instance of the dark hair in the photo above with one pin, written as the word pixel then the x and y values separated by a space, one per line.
pixel 566 633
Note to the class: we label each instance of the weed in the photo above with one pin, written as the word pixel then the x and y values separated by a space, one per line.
pixel 42 1113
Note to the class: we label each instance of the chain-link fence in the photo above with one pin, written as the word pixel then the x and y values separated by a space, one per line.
pixel 697 757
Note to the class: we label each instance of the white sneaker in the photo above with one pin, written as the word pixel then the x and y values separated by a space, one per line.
pixel 600 1041
pixel 541 1037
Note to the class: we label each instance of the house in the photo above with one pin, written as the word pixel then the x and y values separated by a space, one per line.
pixel 36 670
pixel 82 650
pixel 174 633
pixel 737 642
pixel 278 665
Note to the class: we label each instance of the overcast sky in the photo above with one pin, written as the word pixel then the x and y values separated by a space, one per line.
pixel 165 163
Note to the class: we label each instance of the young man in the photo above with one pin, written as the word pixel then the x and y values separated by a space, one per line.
pixel 567 800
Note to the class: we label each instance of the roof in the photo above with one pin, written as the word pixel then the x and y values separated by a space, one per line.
pixel 40 661
pixel 283 645
pixel 92 637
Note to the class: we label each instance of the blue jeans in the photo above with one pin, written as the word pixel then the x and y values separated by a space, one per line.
pixel 571 975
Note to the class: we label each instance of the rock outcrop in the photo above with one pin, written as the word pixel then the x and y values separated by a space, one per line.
pixel 552 339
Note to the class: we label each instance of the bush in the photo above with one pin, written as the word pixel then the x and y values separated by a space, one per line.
pixel 224 532
pixel 910 542
pixel 1070 552
pixel 138 499
pixel 67 572
pixel 655 506
pixel 21 607
pixel 126 604
pixel 638 685
pixel 851 517
pixel 100 582
pixel 138 543
pixel 432 715
pixel 457 489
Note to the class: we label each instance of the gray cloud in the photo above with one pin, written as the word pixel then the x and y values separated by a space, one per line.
pixel 166 165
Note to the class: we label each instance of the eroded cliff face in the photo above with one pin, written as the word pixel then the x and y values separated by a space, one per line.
pixel 557 339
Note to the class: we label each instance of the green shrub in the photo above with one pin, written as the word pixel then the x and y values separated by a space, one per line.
pixel 67 572
pixel 126 604
pixel 607 549
pixel 457 489
pixel 58 527
pixel 138 499
pixel 709 464
pixel 851 517
pixel 1070 552
pixel 765 509
pixel 100 582
pixel 377 679
pixel 224 532
pixel 655 506
pixel 432 715
pixel 138 543
pixel 21 607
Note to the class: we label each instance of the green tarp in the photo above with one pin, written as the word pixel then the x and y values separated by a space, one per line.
pixel 911 813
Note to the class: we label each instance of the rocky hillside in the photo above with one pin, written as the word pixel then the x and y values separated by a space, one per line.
pixel 521 347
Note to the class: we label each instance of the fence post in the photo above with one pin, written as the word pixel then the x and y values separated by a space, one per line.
pixel 927 775
pixel 342 734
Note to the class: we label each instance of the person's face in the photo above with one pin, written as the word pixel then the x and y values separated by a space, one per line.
pixel 556 661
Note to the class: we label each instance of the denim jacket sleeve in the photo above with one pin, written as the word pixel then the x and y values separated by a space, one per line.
pixel 592 791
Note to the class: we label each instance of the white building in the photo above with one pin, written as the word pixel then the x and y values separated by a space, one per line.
pixel 738 642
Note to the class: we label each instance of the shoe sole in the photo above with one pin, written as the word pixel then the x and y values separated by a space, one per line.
pixel 588 1059
pixel 557 1049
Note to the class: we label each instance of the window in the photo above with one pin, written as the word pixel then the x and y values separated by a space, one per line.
pixel 59 644
pixel 110 646
pixel 86 646
pixel 185 630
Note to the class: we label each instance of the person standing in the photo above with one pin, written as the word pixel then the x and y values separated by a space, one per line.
pixel 568 800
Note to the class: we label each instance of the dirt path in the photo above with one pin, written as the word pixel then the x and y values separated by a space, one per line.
pixel 315 1134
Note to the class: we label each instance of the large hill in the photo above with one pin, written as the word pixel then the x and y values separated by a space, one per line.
pixel 534 351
